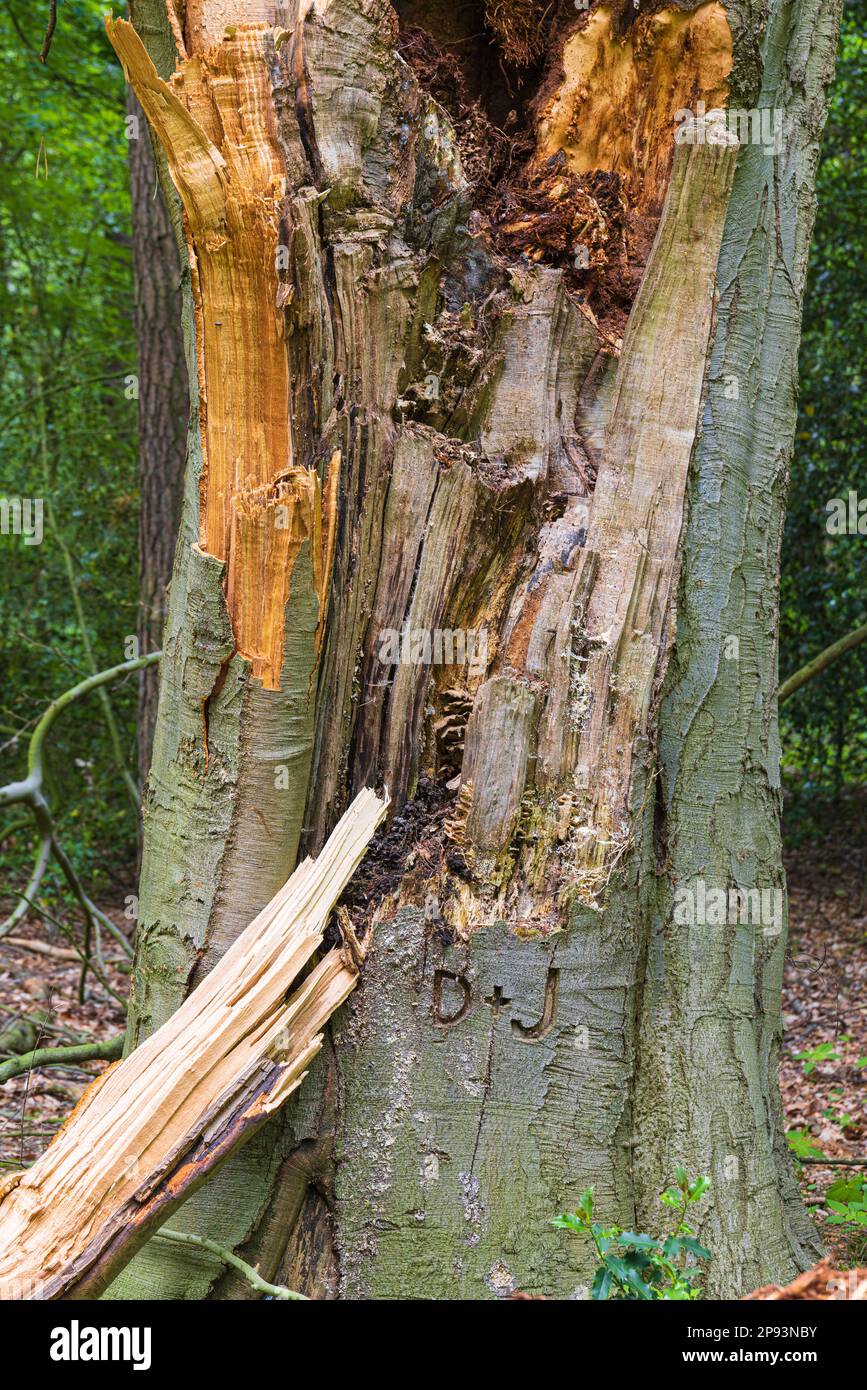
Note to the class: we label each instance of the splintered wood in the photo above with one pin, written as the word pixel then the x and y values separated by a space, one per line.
pixel 156 1124
pixel 259 503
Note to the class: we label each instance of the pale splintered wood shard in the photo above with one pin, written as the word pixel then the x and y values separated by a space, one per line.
pixel 156 1124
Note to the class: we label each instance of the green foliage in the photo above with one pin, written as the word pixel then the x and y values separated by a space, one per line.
pixel 641 1267
pixel 801 1144
pixel 847 1202
pixel 823 596
pixel 810 1059
pixel 69 425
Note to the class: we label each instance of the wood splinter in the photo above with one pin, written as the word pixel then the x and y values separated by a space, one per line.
pixel 149 1130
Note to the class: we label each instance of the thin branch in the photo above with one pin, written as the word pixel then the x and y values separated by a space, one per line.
pixel 29 791
pixel 33 783
pixel 835 1162
pixel 108 713
pixel 49 32
pixel 61 1056
pixel 34 884
pixel 26 404
pixel 64 930
pixel 820 662
pixel 230 1258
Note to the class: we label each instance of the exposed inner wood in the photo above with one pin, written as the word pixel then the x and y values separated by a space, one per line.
pixel 569 157
pixel 259 501
pixel 156 1124
pixel 614 105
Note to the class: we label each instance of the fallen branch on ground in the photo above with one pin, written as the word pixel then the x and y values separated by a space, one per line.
pixel 41 948
pixel 836 1162
pixel 155 1125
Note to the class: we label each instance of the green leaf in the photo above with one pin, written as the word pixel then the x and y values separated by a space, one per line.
pixel 800 1141
pixel 569 1221
pixel 847 1190
pixel 824 1052
pixel 602 1283
pixel 699 1188
pixel 638 1242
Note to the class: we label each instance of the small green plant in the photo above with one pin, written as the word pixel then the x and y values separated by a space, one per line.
pixel 846 1200
pixel 633 1266
pixel 843 1119
pixel 825 1052
pixel 800 1141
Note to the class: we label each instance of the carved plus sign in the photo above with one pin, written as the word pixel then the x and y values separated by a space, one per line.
pixel 497 1000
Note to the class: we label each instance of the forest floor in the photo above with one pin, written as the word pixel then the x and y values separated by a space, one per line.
pixel 823 1071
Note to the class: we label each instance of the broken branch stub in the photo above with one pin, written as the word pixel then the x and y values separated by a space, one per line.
pixel 156 1124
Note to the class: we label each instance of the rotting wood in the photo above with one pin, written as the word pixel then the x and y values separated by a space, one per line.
pixel 585 478
pixel 613 105
pixel 156 1124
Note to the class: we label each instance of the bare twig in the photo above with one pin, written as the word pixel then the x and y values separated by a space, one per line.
pixel 230 1258
pixel 40 948
pixel 49 32
pixel 835 1162
pixel 26 1096
pixel 33 886
pixel 108 713
pixel 42 912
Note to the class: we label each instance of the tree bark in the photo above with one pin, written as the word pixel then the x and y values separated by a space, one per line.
pixel 510 550
pixel 163 396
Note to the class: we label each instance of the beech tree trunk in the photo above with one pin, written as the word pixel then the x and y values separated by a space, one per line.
pixel 163 405
pixel 484 501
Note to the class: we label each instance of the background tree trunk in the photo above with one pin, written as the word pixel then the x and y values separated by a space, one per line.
pixel 163 408
pixel 588 497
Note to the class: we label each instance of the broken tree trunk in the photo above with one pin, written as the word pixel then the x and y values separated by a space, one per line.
pixel 484 503
pixel 155 1125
